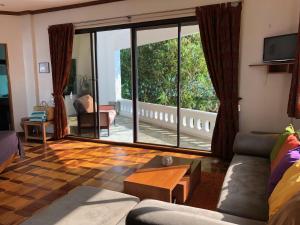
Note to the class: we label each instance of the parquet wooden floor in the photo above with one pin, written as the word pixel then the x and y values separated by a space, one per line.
pixel 50 171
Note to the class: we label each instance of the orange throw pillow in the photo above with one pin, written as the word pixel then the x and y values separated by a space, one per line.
pixel 290 143
pixel 87 103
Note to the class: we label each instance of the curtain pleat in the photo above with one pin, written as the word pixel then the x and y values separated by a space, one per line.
pixel 220 35
pixel 61 46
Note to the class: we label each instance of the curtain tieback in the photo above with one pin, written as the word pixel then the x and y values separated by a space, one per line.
pixel 230 100
pixel 57 95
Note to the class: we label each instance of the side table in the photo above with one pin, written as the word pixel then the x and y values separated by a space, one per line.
pixel 42 136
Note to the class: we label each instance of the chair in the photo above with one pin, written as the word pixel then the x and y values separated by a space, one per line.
pixel 86 117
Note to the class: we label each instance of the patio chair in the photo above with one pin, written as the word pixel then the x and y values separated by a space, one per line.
pixel 86 116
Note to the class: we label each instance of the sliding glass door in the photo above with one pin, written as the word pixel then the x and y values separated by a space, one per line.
pixel 80 93
pixel 114 85
pixel 198 102
pixel 157 74
pixel 147 83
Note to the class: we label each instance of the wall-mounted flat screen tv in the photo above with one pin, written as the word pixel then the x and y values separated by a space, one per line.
pixel 280 48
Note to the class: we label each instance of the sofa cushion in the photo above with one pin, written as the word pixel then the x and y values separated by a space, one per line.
pixel 161 213
pixel 287 188
pixel 291 142
pixel 86 205
pixel 288 214
pixel 254 144
pixel 245 187
pixel 281 139
pixel 288 160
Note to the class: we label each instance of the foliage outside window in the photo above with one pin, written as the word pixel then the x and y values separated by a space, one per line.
pixel 157 74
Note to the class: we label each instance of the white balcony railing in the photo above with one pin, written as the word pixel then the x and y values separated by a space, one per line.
pixel 193 122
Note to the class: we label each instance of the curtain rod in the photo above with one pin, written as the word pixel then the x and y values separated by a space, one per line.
pixel 167 13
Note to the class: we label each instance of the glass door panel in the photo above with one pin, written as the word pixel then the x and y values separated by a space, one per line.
pixel 80 92
pixel 198 102
pixel 114 85
pixel 157 61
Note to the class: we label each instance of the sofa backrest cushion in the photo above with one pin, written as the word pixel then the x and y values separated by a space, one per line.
pixel 288 214
pixel 290 143
pixel 254 144
pixel 281 139
pixel 286 162
pixel 84 104
pixel 287 188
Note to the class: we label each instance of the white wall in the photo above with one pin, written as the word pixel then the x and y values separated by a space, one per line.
pixel 111 10
pixel 264 95
pixel 109 80
pixel 19 54
pixel 30 71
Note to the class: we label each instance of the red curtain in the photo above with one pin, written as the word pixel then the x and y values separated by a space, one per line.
pixel 220 34
pixel 294 97
pixel 61 46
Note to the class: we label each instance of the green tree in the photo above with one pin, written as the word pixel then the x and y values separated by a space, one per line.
pixel 157 74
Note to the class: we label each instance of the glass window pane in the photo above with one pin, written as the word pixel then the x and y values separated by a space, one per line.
pixel 114 85
pixel 81 114
pixel 199 104
pixel 157 57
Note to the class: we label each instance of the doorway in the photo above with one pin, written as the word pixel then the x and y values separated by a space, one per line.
pixel 5 103
pixel 149 82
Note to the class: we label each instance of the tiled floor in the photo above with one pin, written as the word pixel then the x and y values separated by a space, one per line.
pixel 50 171
pixel 122 131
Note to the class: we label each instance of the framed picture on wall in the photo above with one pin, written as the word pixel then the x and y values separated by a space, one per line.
pixel 44 67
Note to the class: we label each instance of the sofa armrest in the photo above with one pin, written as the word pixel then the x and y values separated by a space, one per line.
pixel 254 144
pixel 158 216
pixel 106 107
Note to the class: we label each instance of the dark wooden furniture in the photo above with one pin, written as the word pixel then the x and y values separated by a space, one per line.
pixel 85 120
pixel 277 67
pixel 40 131
pixel 11 146
pixel 166 183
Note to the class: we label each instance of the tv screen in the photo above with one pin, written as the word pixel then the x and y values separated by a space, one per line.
pixel 280 48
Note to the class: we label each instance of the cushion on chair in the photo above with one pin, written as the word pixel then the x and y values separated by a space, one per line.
pixel 245 188
pixel 84 104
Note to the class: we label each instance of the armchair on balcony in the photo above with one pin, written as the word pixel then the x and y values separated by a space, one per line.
pixel 86 115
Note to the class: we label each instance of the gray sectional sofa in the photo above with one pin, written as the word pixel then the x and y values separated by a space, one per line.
pixel 242 201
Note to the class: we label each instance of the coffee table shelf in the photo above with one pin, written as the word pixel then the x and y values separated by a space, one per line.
pixel 164 183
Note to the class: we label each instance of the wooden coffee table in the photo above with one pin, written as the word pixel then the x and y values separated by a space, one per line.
pixel 165 183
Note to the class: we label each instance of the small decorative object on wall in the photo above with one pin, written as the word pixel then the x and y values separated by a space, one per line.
pixel 44 67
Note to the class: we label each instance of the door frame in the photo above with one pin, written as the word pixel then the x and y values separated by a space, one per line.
pixel 11 111
pixel 134 27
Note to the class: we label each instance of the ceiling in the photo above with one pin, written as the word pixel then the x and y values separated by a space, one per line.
pixel 33 5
